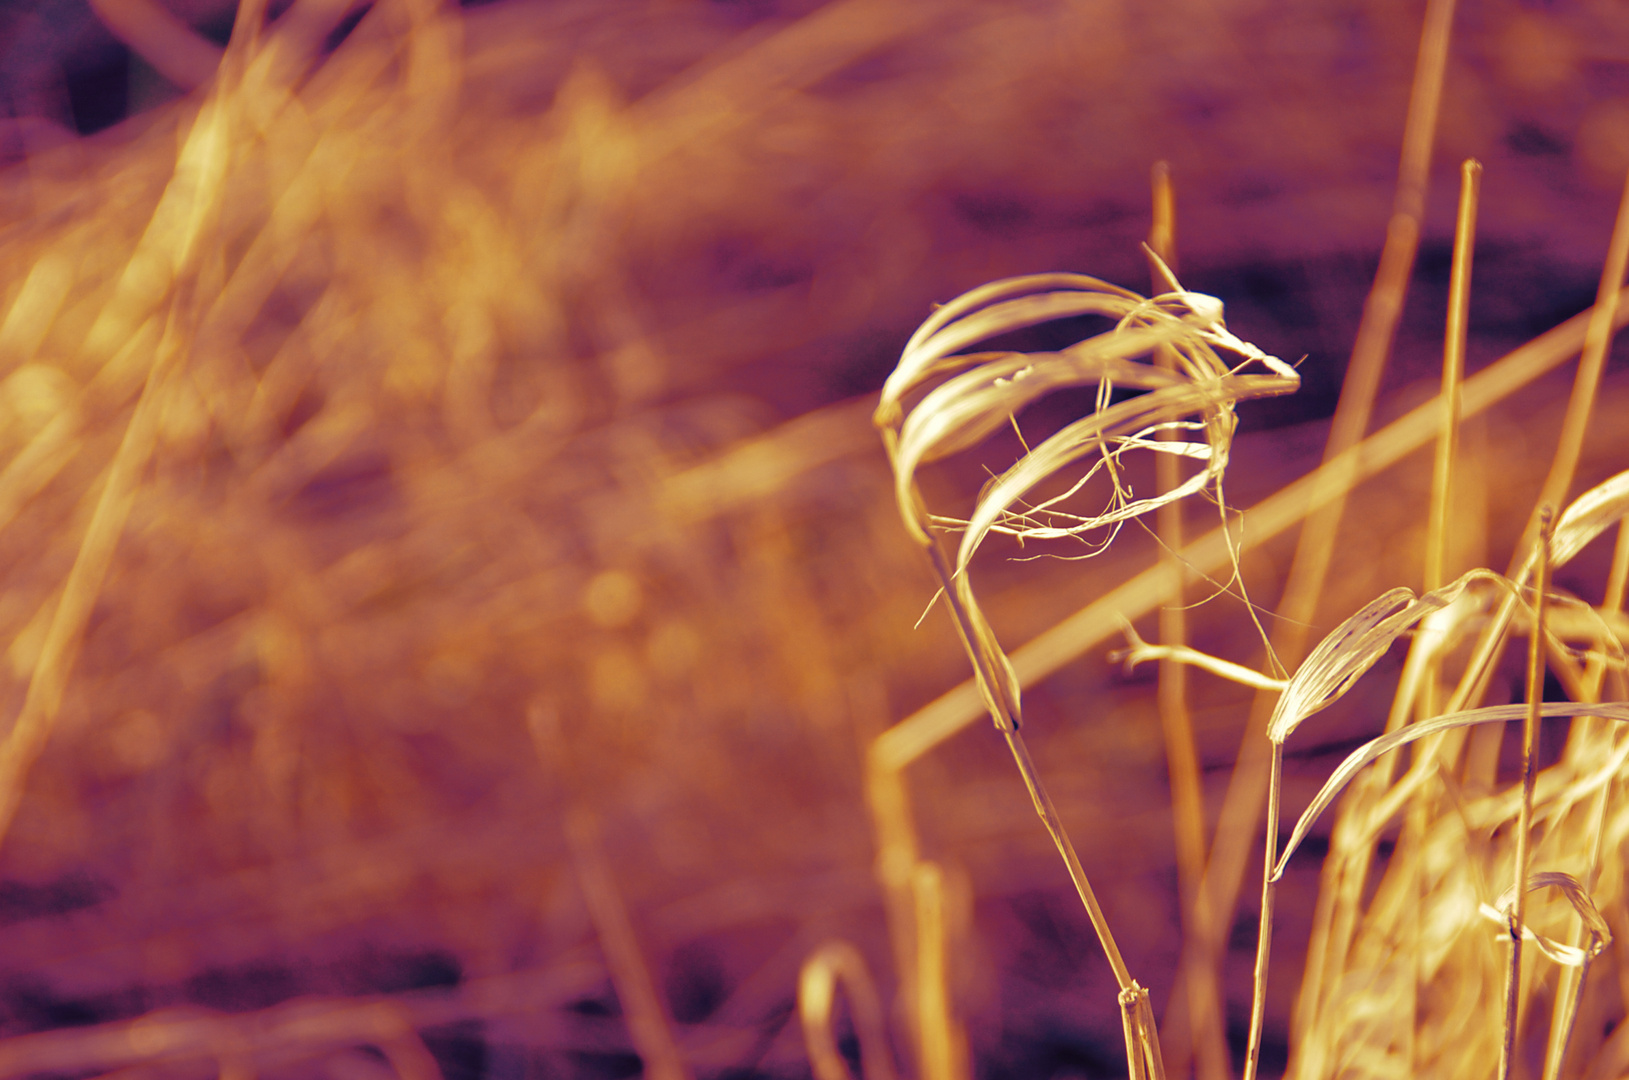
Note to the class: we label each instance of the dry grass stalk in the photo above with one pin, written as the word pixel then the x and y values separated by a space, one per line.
pixel 1343 657
pixel 1524 821
pixel 981 391
pixel 1577 518
pixel 1202 1033
pixel 942 1048
pixel 1591 365
pixel 1453 374
pixel 169 260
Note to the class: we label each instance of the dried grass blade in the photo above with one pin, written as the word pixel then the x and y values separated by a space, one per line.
pixel 1589 515
pixel 1595 924
pixel 649 1026
pixel 962 411
pixel 934 354
pixel 1617 711
pixel 1139 651
pixel 1354 647
pixel 1202 1038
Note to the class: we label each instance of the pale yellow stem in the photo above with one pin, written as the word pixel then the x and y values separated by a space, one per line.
pixel 1453 373
pixel 1524 820
pixel 1597 339
pixel 1206 1036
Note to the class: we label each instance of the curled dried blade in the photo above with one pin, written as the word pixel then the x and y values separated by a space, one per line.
pixel 968 407
pixel 983 391
pixel 1495 714
pixel 972 403
pixel 1201 316
pixel 1600 935
pixel 1089 435
pixel 941 352
pixel 1342 657
pixel 983 313
pixel 1562 953
pixel 1354 647
pixel 1212 397
pixel 1589 515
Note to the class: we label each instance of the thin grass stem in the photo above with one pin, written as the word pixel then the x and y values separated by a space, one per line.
pixel 895 829
pixel 1264 931
pixel 938 1054
pixel 1162 229
pixel 1524 821
pixel 1136 1067
pixel 1048 814
pixel 1206 1037
pixel 1006 720
pixel 185 212
pixel 1564 1019
pixel 1618 576
pixel 1437 535
pixel 1599 329
pixel 1453 373
pixel 1591 365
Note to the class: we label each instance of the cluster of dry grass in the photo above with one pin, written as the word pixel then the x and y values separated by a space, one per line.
pixel 1399 979
pixel 425 609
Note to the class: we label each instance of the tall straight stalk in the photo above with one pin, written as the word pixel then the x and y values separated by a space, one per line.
pixel 1564 1016
pixel 649 1025
pixel 1314 550
pixel 1453 373
pixel 1598 333
pixel 1437 535
pixel 1592 362
pixel 1207 1041
pixel 1524 820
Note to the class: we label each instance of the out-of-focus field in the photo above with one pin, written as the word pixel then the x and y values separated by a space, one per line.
pixel 436 474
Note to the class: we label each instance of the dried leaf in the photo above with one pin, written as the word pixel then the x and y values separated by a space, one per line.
pixel 1369 751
